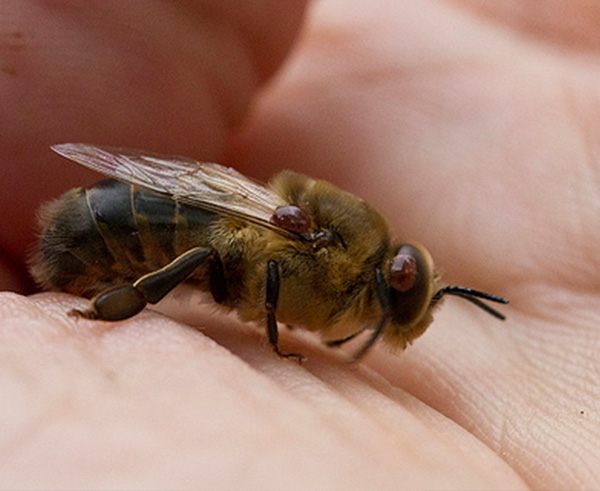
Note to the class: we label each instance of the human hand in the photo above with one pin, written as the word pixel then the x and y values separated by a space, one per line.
pixel 474 134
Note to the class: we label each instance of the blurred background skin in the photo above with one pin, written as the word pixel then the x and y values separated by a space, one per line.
pixel 472 125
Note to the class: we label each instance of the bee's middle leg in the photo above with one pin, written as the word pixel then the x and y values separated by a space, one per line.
pixel 336 343
pixel 272 296
pixel 122 302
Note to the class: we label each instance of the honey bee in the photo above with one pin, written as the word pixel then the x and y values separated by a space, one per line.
pixel 299 251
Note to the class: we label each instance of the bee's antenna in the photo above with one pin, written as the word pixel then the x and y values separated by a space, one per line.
pixel 472 296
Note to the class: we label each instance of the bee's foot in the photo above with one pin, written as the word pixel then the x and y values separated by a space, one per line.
pixel 83 314
pixel 295 356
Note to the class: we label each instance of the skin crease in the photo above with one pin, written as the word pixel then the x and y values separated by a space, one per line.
pixel 473 129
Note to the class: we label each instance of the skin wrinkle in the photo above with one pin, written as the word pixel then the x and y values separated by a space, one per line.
pixel 544 391
pixel 372 406
pixel 395 427
pixel 340 385
pixel 477 426
pixel 319 393
pixel 333 407
pixel 544 421
pixel 590 177
pixel 578 478
pixel 255 371
pixel 526 466
pixel 538 26
pixel 473 405
pixel 341 388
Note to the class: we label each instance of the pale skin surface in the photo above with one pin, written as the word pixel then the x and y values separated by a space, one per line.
pixel 475 131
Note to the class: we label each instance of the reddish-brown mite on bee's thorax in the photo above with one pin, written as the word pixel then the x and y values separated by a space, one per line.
pixel 291 218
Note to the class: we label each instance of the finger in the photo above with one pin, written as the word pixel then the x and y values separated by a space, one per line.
pixel 461 135
pixel 569 23
pixel 485 166
pixel 174 77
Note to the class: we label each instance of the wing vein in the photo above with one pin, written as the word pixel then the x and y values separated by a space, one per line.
pixel 201 184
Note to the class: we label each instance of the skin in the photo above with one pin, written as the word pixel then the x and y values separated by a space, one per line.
pixel 473 127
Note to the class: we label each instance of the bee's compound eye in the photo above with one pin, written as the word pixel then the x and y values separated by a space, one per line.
pixel 291 218
pixel 403 272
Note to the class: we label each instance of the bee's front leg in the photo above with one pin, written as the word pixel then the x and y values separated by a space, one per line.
pixel 382 290
pixel 272 296
pixel 122 302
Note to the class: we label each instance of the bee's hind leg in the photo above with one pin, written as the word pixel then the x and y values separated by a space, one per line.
pixel 124 301
pixel 271 305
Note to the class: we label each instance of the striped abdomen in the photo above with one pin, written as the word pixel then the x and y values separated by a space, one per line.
pixel 111 233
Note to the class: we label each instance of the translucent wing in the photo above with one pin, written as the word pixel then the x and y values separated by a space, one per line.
pixel 204 185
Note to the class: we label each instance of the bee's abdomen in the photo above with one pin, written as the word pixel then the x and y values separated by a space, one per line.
pixel 71 248
pixel 109 234
pixel 167 228
pixel 110 206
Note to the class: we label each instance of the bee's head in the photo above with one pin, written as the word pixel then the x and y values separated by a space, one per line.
pixel 414 291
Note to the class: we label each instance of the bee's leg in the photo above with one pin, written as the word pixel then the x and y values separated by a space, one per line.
pixel 216 278
pixel 122 302
pixel 336 343
pixel 271 305
pixel 383 295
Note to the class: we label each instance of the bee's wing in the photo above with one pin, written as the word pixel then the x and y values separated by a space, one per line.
pixel 204 185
